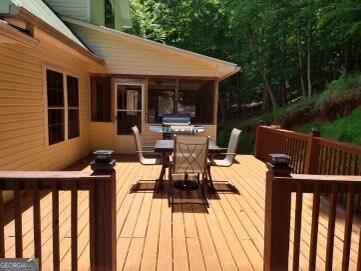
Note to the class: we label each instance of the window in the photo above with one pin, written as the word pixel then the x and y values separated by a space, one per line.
pixel 161 97
pixel 194 97
pixel 109 15
pixel 63 114
pixel 129 108
pixel 101 100
pixel 73 106
pixel 56 108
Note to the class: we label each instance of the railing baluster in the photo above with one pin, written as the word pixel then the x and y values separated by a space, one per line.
pixel 340 154
pixel 18 222
pixel 359 253
pixel 37 223
pixel 92 229
pixel 349 164
pixel 56 240
pixel 2 235
pixel 314 227
pixel 348 228
pixel 297 231
pixel 331 227
pixel 74 227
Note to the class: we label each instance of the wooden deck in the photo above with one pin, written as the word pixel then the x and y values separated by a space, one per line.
pixel 227 236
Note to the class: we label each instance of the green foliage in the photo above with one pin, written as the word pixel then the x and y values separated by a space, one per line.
pixel 269 39
pixel 346 129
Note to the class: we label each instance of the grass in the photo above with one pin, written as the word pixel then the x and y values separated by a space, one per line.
pixel 329 111
pixel 345 129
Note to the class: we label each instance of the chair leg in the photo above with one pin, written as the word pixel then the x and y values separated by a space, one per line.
pixel 213 190
pixel 202 185
pixel 170 190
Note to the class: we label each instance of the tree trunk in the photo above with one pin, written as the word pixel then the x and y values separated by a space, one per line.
pixel 302 83
pixel 309 36
pixel 269 89
pixel 262 68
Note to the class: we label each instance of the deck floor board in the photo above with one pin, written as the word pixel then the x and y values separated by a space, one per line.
pixel 229 235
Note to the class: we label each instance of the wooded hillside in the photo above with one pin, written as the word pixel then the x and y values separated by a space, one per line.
pixel 286 49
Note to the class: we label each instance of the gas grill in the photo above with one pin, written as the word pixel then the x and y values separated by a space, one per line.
pixel 176 124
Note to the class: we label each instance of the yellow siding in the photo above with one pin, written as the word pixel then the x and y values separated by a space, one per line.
pixel 103 135
pixel 123 56
pixel 22 128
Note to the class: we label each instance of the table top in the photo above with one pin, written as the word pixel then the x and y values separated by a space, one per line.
pixel 165 145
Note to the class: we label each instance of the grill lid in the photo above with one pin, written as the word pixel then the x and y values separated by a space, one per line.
pixel 176 119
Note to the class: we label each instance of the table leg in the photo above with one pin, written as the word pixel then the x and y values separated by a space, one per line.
pixel 213 190
pixel 162 172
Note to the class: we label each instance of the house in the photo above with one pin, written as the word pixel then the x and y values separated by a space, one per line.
pixel 64 77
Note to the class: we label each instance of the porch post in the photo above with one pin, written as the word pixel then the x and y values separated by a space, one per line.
pixel 312 153
pixel 102 199
pixel 277 219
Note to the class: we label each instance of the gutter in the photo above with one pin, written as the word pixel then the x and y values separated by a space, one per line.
pixel 26 15
pixel 236 70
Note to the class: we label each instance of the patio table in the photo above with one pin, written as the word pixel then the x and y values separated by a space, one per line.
pixel 166 146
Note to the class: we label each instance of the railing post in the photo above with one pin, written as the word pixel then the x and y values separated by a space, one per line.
pixel 312 153
pixel 103 245
pixel 260 141
pixel 277 216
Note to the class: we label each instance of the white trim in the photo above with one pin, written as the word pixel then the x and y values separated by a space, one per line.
pixel 46 67
pixel 88 10
pixel 128 82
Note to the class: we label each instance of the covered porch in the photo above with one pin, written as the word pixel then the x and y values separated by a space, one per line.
pixel 227 236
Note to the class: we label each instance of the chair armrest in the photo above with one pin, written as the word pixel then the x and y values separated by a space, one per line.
pixel 227 153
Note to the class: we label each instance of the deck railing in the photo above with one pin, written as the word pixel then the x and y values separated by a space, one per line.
pixel 279 187
pixel 311 154
pixel 102 210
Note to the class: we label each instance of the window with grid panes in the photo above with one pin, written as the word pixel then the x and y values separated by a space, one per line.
pixel 73 106
pixel 56 108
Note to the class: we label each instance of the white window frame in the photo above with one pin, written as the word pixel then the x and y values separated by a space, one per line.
pixel 66 108
pixel 65 77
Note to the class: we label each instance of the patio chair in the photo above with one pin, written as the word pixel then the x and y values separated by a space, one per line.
pixel 189 158
pixel 225 159
pixel 146 154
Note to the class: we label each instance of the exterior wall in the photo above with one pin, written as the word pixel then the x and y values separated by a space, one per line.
pixel 125 56
pixel 22 120
pixel 103 135
pixel 78 9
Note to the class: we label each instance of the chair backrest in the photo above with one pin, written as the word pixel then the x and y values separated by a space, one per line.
pixel 233 145
pixel 190 154
pixel 138 143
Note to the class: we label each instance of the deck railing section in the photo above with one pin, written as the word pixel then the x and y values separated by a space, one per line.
pixel 270 140
pixel 102 207
pixel 311 154
pixel 279 187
